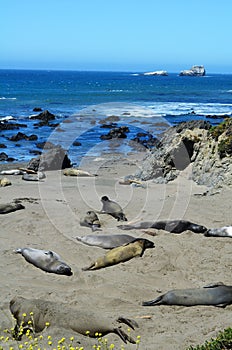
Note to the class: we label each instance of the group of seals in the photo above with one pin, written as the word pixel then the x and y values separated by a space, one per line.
pixel 112 208
pixel 63 316
pixel 46 260
pixel 121 254
pixel 174 226
pixel 217 294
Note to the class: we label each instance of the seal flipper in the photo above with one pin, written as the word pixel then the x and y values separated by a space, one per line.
pixel 157 301
pixel 125 337
pixel 128 322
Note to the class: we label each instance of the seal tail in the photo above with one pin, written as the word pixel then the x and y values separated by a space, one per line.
pixel 156 301
pixel 125 337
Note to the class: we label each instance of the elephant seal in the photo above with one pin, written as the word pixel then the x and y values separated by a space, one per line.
pixel 216 294
pixel 5 182
pixel 77 172
pixel 225 231
pixel 121 254
pixel 12 172
pixel 63 316
pixel 45 260
pixel 112 208
pixel 174 226
pixel 10 207
pixel 91 220
pixel 106 241
pixel 37 177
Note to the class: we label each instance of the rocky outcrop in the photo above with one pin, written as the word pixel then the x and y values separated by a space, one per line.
pixel 157 72
pixel 53 159
pixel 116 132
pixel 21 136
pixel 196 71
pixel 207 149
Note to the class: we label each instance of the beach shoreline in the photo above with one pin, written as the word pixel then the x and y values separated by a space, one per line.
pixel 50 220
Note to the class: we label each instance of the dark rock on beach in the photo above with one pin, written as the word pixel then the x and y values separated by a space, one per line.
pixel 208 150
pixel 147 140
pixel 53 159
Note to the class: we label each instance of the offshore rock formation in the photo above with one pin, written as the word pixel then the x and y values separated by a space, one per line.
pixel 208 150
pixel 196 71
pixel 157 72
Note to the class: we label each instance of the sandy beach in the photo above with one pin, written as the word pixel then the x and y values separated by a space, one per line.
pixel 51 220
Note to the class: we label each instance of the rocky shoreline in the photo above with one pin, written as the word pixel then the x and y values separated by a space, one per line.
pixel 197 144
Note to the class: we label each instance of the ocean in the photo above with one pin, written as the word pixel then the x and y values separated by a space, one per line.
pixel 80 100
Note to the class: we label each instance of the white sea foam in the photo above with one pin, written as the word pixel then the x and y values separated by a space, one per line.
pixel 8 98
pixel 8 117
pixel 181 108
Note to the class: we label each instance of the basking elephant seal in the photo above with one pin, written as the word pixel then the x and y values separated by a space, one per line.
pixel 91 220
pixel 10 207
pixel 174 226
pixel 12 172
pixel 121 254
pixel 216 294
pixel 5 182
pixel 77 172
pixel 225 231
pixel 112 208
pixel 45 260
pixel 63 316
pixel 106 241
pixel 35 177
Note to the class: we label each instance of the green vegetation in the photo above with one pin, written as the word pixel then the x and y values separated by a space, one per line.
pixel 222 342
pixel 225 145
pixel 23 337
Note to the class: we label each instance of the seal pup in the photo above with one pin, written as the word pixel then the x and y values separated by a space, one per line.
pixel 63 316
pixel 112 208
pixel 45 260
pixel 91 220
pixel 106 241
pixel 37 177
pixel 174 226
pixel 121 254
pixel 10 207
pixel 5 182
pixel 77 172
pixel 217 294
pixel 225 231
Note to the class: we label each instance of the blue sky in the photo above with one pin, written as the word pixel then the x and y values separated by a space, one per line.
pixel 124 35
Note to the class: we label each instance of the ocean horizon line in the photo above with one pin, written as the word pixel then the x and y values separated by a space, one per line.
pixel 208 73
